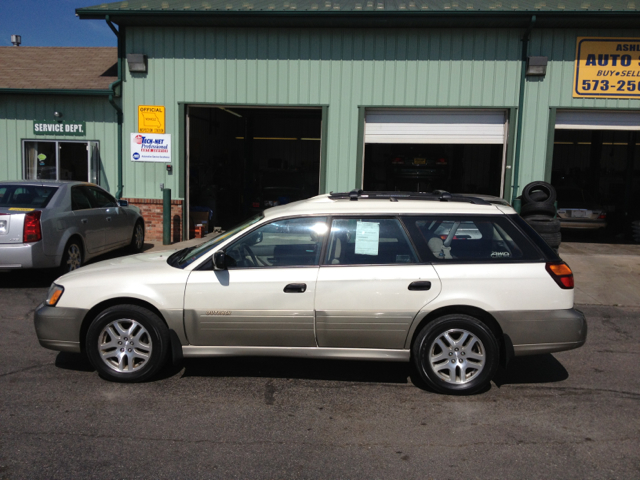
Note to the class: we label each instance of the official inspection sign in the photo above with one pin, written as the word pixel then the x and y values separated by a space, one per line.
pixel 150 118
pixel 607 68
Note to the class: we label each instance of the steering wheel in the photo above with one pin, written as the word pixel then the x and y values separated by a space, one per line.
pixel 246 250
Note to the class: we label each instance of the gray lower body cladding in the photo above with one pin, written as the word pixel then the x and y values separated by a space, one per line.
pixel 58 328
pixel 543 331
pixel 530 332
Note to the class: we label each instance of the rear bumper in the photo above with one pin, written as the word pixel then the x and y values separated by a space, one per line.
pixel 58 328
pixel 543 331
pixel 25 255
pixel 582 224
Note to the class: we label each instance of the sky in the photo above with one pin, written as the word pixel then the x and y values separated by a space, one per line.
pixel 52 23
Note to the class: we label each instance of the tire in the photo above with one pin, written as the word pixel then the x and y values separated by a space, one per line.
pixel 127 343
pixel 537 218
pixel 539 192
pixel 550 226
pixel 73 256
pixel 538 208
pixel 552 239
pixel 434 352
pixel 137 238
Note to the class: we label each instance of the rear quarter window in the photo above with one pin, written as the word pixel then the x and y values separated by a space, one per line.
pixel 454 239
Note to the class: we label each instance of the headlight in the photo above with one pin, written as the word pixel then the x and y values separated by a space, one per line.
pixel 55 292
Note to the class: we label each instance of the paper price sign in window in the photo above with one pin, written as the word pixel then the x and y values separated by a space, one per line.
pixel 367 238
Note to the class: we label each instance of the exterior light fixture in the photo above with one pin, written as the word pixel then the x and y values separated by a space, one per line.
pixel 58 116
pixel 16 40
pixel 536 66
pixel 137 62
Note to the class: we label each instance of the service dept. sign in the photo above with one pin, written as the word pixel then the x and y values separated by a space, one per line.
pixel 607 68
pixel 149 147
pixel 54 127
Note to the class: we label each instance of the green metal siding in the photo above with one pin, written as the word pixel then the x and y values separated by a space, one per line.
pixel 344 70
pixel 555 90
pixel 336 67
pixel 18 112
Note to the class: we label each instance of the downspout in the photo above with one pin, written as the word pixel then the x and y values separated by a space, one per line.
pixel 112 88
pixel 523 70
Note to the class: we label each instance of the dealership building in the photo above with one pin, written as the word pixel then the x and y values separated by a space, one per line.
pixel 239 105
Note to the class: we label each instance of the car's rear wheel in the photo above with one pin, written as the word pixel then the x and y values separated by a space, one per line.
pixel 73 257
pixel 456 354
pixel 127 343
pixel 137 239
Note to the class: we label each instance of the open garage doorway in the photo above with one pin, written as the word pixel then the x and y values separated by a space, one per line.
pixel 596 172
pixel 242 160
pixel 460 151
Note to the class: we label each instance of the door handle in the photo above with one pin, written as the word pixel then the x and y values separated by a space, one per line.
pixel 420 285
pixel 108 219
pixel 84 220
pixel 295 288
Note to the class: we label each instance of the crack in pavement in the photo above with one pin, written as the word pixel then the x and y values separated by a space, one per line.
pixel 26 369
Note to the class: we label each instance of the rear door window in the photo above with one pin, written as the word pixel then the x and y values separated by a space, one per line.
pixel 79 199
pixel 369 241
pixel 470 239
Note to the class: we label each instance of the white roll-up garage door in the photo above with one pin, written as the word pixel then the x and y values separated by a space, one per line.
pixel 597 120
pixel 435 126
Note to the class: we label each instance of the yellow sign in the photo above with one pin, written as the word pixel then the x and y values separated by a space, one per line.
pixel 150 119
pixel 607 68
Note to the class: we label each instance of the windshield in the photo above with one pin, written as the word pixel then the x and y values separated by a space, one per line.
pixel 189 255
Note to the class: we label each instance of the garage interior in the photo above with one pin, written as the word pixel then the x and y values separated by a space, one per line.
pixel 458 168
pixel 460 151
pixel 604 167
pixel 242 160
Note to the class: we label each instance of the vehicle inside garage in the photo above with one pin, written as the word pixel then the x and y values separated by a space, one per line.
pixel 242 160
pixel 597 171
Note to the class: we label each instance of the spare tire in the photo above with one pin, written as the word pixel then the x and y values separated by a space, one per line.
pixel 538 208
pixel 549 226
pixel 538 192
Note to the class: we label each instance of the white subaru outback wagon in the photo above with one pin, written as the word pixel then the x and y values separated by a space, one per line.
pixel 453 283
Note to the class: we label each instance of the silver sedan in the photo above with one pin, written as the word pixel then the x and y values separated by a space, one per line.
pixel 62 224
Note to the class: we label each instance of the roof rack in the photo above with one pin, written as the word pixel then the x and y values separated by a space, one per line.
pixel 435 196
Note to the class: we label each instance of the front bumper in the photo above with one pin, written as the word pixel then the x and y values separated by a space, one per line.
pixel 543 331
pixel 25 255
pixel 58 328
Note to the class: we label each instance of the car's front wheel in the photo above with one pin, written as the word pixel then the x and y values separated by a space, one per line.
pixel 127 343
pixel 456 354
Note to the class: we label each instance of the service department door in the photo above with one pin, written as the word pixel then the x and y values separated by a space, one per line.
pixel 266 297
pixel 423 150
pixel 371 286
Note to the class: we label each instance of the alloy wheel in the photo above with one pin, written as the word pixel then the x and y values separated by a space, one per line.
pixel 457 356
pixel 124 346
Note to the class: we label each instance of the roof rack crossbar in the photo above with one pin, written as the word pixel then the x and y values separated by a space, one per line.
pixel 435 196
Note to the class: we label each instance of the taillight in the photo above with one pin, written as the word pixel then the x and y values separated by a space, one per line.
pixel 602 216
pixel 561 273
pixel 32 231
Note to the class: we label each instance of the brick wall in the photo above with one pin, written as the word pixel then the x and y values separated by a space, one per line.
pixel 151 210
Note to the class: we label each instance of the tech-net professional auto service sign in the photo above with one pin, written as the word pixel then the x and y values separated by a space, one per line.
pixel 149 147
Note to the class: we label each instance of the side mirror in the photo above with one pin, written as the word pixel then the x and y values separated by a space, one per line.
pixel 123 203
pixel 219 260
pixel 258 237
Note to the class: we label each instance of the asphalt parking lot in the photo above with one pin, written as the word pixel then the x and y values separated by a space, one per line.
pixel 567 415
